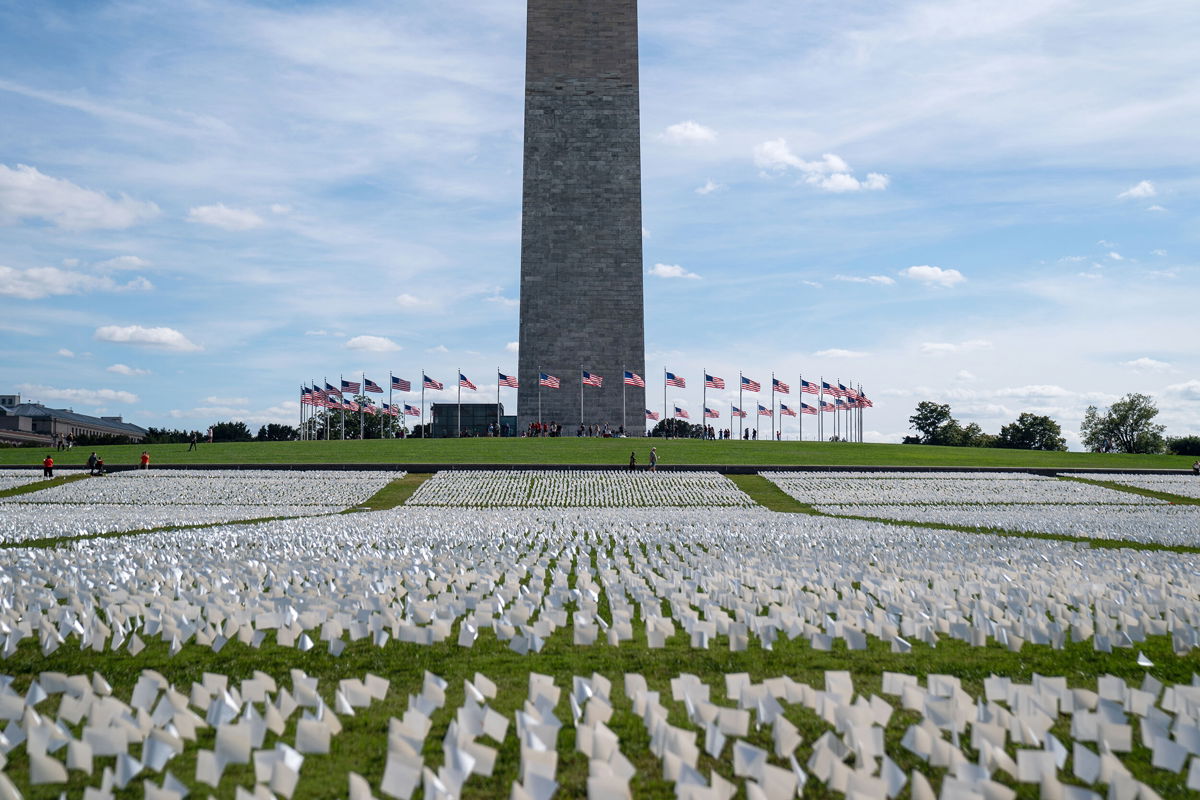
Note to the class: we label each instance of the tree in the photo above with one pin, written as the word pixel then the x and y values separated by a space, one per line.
pixel 231 432
pixel 1032 432
pixel 1127 426
pixel 929 421
pixel 677 429
pixel 277 433
pixel 1184 445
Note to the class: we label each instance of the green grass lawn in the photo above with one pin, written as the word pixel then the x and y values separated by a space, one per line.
pixel 571 450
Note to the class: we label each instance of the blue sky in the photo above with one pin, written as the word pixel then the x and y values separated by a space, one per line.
pixel 986 204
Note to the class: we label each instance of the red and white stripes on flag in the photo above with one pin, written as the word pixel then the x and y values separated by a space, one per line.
pixel 780 386
pixel 676 380
pixel 785 411
pixel 464 382
pixel 549 381
pixel 592 380
pixel 749 385
pixel 681 413
pixel 763 411
pixel 651 414
pixel 508 380
pixel 713 382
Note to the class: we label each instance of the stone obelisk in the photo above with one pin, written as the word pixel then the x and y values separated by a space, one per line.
pixel 581 227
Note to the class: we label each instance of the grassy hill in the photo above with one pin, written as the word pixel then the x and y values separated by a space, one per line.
pixel 571 450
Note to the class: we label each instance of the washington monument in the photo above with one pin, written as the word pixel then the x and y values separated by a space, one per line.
pixel 581 227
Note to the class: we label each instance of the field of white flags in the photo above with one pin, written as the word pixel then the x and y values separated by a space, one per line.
pixel 139 500
pixel 701 653
pixel 1003 501
pixel 591 489
pixel 620 652
pixel 1185 485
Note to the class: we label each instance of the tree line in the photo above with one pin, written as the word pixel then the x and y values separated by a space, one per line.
pixel 1127 426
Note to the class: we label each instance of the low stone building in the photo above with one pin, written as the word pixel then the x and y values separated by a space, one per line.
pixel 22 423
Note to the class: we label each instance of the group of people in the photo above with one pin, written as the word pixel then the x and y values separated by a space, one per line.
pixel 95 464
pixel 64 442
pixel 543 429
pixel 653 465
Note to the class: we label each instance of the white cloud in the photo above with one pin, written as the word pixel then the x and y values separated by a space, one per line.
pixel 1139 191
pixel 410 301
pixel 441 348
pixel 1159 252
pixel 813 284
pixel 671 271
pixel 1188 391
pixel 688 132
pixel 512 347
pixel 282 413
pixel 1106 243
pixel 1037 391
pixel 1155 207
pixel 25 193
pixel 839 353
pixel 123 263
pixel 222 216
pixel 161 338
pixel 316 333
pixel 227 401
pixel 65 353
pixel 372 344
pixel 879 280
pixel 1147 365
pixel 87 397
pixel 280 208
pixel 123 369
pixel 933 276
pixel 964 375
pixel 949 348
pixel 38 282
pixel 831 173
pixel 1115 256
pixel 498 297
pixel 709 187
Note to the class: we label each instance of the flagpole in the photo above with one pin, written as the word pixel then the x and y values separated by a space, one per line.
pixel 704 399
pixel 773 407
pixel 458 424
pixel 821 410
pixel 497 402
pixel 741 404
pixel 665 417
pixel 328 416
pixel 800 395
pixel 539 401
pixel 391 403
pixel 623 419
pixel 422 402
pixel 581 396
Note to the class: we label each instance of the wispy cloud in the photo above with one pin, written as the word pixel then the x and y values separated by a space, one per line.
pixel 934 276
pixel 879 280
pixel 26 193
pixel 87 397
pixel 672 271
pixel 222 216
pixel 1139 191
pixel 124 369
pixel 38 282
pixel 372 344
pixel 689 132
pixel 830 173
pixel 160 338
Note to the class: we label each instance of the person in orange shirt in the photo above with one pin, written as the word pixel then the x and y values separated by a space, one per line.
pixel 145 460
pixel 48 467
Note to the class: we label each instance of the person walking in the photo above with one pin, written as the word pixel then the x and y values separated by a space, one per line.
pixel 91 463
pixel 654 459
pixel 192 444
pixel 632 460
pixel 1196 467
pixel 145 460
pixel 48 467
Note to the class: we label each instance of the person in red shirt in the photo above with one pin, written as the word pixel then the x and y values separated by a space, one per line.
pixel 145 460
pixel 48 467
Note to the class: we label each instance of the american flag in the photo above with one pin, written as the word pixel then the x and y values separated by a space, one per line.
pixel 370 409
pixel 844 392
pixel 508 380
pixel 785 411
pixel 306 398
pixel 401 385
pixel 809 386
pixel 749 385
pixel 464 382
pixel 592 380
pixel 763 411
pixel 709 413
pixel 828 406
pixel 805 408
pixel 713 382
pixel 350 405
pixel 681 413
pixel 829 389
pixel 737 412
pixel 675 380
pixel 651 414
pixel 430 383
pixel 412 411
pixel 780 386
pixel 372 386
pixel 548 381
pixel 862 398
pixel 329 387
pixel 633 379
pixel 351 386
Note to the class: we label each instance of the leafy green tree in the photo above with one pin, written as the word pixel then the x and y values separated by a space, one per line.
pixel 1184 445
pixel 235 431
pixel 1032 432
pixel 1127 426
pixel 934 423
pixel 277 433
pixel 677 429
